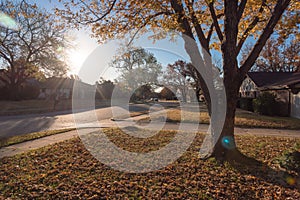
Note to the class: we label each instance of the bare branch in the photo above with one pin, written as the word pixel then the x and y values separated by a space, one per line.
pixel 91 10
pixel 146 23
pixel 211 29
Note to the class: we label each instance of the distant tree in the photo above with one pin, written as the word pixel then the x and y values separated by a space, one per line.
pixel 277 56
pixel 137 67
pixel 31 44
pixel 188 71
pixel 105 89
pixel 174 79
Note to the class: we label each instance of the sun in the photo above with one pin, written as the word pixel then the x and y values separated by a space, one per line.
pixel 76 59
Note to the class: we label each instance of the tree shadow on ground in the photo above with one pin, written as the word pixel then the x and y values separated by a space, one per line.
pixel 250 166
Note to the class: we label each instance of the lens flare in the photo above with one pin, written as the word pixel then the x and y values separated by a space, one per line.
pixel 228 142
pixel 8 22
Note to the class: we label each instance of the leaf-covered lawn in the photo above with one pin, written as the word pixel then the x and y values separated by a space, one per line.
pixel 242 119
pixel 67 170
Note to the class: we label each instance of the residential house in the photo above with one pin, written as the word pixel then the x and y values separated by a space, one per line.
pixel 286 86
pixel 63 87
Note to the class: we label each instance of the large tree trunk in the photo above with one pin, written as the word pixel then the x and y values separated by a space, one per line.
pixel 226 142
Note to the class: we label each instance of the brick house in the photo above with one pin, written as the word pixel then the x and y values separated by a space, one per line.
pixel 286 86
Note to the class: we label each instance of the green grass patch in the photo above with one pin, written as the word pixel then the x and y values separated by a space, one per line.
pixel 30 136
pixel 67 170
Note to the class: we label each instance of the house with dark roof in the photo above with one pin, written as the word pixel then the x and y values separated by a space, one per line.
pixel 286 86
pixel 63 87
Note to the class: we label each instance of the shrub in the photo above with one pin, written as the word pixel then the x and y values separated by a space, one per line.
pixel 265 104
pixel 245 104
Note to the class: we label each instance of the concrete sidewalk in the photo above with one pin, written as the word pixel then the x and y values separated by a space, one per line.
pixel 41 142
pixel 37 143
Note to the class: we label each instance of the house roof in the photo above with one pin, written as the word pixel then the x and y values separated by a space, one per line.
pixel 274 79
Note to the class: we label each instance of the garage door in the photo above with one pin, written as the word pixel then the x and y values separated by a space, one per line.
pixel 295 107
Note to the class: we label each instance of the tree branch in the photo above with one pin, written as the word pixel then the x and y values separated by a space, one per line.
pixel 215 21
pixel 146 22
pixel 277 13
pixel 182 20
pixel 200 34
pixel 241 9
pixel 104 15
pixel 249 28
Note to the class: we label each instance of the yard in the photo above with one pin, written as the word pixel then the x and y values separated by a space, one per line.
pixel 243 118
pixel 67 170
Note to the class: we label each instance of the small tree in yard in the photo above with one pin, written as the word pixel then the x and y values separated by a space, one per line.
pixel 32 48
pixel 215 24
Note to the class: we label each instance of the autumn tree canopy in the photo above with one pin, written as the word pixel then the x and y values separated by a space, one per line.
pixel 278 56
pixel 225 26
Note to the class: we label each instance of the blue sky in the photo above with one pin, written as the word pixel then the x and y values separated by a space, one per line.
pixel 90 60
pixel 87 48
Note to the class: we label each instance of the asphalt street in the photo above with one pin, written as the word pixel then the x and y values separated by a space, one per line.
pixel 22 124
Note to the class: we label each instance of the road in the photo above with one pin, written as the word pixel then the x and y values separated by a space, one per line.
pixel 22 124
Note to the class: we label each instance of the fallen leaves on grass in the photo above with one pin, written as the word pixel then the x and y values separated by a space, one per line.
pixel 245 120
pixel 67 170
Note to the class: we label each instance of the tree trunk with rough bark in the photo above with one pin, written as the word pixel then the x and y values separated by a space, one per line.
pixel 225 147
pixel 226 142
